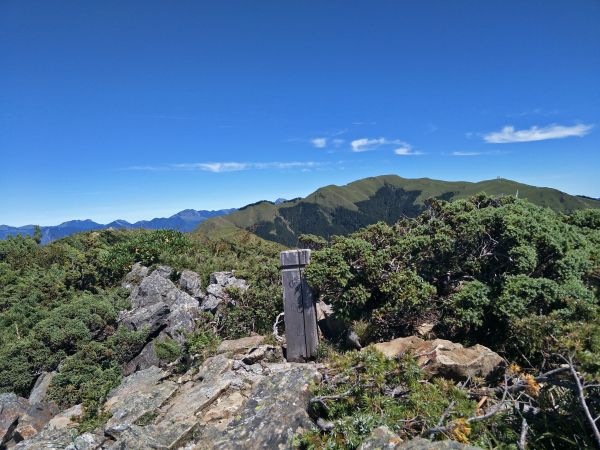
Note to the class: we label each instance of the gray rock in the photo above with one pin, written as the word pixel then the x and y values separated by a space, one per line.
pixel 163 271
pixel 12 408
pixel 175 420
pixel 243 345
pixel 138 395
pixel 40 389
pixel 20 420
pixel 153 289
pixel 190 283
pixel 381 438
pixel 135 276
pixel 275 410
pixel 62 440
pixel 163 310
pixel 144 360
pixel 425 444
pixel 151 318
pixel 216 291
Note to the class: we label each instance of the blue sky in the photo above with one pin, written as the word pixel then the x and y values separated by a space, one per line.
pixel 136 109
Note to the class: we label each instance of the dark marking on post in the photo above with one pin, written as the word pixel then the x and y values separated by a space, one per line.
pixel 299 308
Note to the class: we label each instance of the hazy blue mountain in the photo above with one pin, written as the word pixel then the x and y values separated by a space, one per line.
pixel 186 220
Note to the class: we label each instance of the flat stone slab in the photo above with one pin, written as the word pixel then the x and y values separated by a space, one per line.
pixel 273 413
pixel 138 395
pixel 242 345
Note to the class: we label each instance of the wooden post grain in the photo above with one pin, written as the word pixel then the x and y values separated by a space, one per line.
pixel 299 308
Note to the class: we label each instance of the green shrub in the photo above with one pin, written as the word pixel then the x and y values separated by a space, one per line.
pixel 203 342
pixel 493 271
pixel 167 349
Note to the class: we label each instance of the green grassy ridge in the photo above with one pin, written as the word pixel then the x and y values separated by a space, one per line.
pixel 343 209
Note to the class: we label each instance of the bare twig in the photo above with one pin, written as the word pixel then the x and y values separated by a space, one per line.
pixel 523 437
pixel 581 395
pixel 443 417
pixel 522 385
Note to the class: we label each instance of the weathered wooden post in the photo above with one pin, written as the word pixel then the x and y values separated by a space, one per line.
pixel 300 316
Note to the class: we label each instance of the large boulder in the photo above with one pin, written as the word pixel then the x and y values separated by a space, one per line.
pixel 216 291
pixel 190 283
pixel 139 395
pixel 445 358
pixel 19 419
pixel 274 413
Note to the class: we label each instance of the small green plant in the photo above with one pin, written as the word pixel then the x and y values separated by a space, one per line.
pixel 203 342
pixel 147 418
pixel 167 349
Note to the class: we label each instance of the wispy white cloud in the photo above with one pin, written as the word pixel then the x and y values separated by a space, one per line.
pixel 319 142
pixel 508 134
pixel 215 167
pixel 478 153
pixel 366 144
pixel 407 150
pixel 459 153
pixel 364 123
pixel 221 167
pixel 338 142
pixel 534 112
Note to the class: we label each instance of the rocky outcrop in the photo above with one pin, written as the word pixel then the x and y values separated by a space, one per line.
pixel 160 308
pixel 216 291
pixel 445 358
pixel 135 276
pixel 190 282
pixel 157 304
pixel 20 419
pixel 248 397
pixel 166 310
pixel 274 412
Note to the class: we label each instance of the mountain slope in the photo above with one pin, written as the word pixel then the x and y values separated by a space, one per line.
pixel 186 220
pixel 343 209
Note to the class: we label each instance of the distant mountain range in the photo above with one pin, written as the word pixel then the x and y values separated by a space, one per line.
pixel 186 220
pixel 343 209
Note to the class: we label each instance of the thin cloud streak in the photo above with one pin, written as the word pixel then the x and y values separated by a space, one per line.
pixel 407 150
pixel 508 134
pixel 366 144
pixel 232 166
